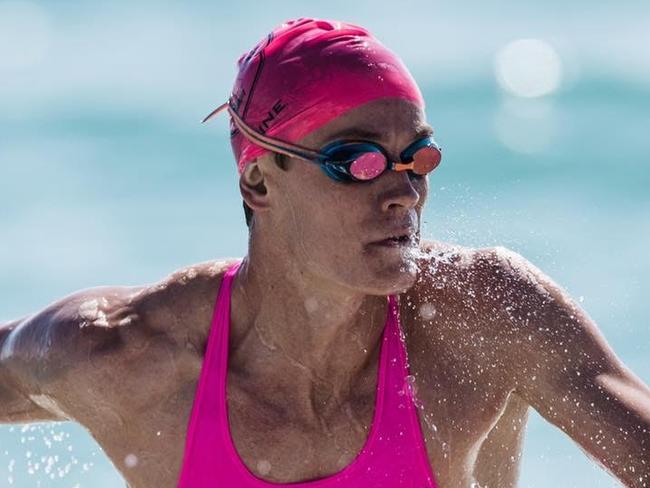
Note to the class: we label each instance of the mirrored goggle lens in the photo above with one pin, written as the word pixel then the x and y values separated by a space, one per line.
pixel 368 165
pixel 426 159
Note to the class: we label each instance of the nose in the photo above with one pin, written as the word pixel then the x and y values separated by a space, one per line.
pixel 398 191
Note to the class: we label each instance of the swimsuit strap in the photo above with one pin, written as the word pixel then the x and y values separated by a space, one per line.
pixel 394 453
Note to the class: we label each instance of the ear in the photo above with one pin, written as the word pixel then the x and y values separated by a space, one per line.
pixel 252 186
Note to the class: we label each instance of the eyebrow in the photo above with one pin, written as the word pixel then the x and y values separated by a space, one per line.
pixel 361 133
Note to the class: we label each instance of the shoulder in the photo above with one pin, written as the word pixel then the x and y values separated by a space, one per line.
pixel 500 294
pixel 181 300
pixel 444 256
pixel 492 293
pixel 104 341
pixel 458 314
pixel 108 321
pixel 489 274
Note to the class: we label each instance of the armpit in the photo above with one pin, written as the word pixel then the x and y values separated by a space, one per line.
pixel 499 458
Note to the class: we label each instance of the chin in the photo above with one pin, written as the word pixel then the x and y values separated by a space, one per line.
pixel 390 278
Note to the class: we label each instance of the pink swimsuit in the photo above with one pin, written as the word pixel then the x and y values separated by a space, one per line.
pixel 394 454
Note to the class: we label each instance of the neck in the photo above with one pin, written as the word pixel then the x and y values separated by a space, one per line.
pixel 296 338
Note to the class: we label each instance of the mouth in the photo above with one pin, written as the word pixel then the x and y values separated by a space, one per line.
pixel 403 240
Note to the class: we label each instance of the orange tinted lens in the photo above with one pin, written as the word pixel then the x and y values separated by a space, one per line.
pixel 426 159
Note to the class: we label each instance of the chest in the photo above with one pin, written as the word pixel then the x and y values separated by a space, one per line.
pixel 460 397
pixel 455 411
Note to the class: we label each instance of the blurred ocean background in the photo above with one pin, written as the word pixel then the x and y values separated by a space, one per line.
pixel 107 176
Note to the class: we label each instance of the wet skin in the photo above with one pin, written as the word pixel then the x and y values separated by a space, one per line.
pixel 487 336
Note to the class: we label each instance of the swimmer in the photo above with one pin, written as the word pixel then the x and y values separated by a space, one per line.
pixel 342 350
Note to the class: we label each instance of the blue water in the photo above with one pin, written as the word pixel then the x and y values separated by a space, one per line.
pixel 106 176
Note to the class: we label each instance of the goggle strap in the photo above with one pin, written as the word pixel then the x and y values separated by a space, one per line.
pixel 214 112
pixel 291 150
pixel 272 146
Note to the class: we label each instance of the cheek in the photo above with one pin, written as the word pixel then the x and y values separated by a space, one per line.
pixel 323 207
pixel 328 215
pixel 308 203
pixel 421 185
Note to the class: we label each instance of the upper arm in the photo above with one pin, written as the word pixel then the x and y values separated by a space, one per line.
pixel 567 371
pixel 43 357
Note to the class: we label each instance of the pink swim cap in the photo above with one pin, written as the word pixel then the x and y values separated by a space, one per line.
pixel 308 72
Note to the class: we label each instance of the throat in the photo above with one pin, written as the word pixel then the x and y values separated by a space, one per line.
pixel 308 352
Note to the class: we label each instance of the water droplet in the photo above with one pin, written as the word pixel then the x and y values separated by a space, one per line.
pixel 131 460
pixel 427 311
pixel 263 467
pixel 311 305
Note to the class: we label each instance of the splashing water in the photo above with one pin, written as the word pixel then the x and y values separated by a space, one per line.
pixel 430 259
pixel 40 455
pixel 412 391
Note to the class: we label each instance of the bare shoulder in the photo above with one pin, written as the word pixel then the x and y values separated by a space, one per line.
pixel 179 304
pixel 168 317
pixel 93 342
pixel 479 277
pixel 495 296
pixel 101 315
pixel 474 303
pixel 448 257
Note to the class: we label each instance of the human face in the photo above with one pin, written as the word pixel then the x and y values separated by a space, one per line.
pixel 336 231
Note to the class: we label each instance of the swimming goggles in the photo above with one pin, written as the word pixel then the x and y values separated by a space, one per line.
pixel 351 160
